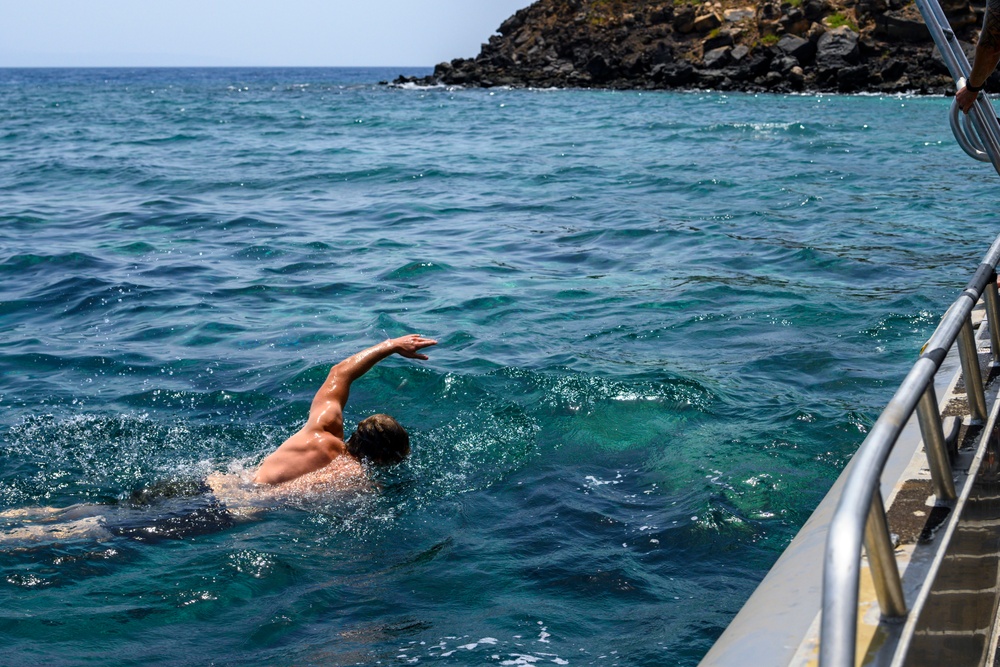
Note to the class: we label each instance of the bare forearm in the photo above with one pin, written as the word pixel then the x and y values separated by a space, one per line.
pixel 337 387
pixel 986 62
pixel 356 365
pixel 986 58
pixel 988 48
pixel 338 382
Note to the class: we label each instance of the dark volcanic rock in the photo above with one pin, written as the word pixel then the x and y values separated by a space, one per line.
pixel 801 49
pixel 776 45
pixel 724 38
pixel 684 19
pixel 900 25
pixel 837 47
pixel 717 58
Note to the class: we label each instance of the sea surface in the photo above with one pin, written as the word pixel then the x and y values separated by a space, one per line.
pixel 665 322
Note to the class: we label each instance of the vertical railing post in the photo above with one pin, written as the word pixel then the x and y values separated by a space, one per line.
pixel 970 372
pixel 937 451
pixel 882 560
pixel 993 316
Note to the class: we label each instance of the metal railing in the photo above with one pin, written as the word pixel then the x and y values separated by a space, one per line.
pixel 978 132
pixel 860 511
pixel 860 514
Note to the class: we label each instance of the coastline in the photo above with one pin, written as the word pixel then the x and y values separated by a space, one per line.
pixel 845 46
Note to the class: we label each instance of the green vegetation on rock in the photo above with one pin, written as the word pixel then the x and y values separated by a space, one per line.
pixel 839 19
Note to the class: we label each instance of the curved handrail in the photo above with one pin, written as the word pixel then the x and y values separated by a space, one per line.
pixel 965 135
pixel 843 551
pixel 982 119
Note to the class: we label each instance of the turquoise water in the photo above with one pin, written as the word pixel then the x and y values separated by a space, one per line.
pixel 665 322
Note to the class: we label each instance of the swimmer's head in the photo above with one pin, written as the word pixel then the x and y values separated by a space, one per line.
pixel 379 439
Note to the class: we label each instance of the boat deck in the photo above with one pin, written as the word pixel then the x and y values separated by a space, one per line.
pixel 948 553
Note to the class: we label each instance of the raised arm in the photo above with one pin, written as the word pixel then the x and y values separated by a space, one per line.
pixel 338 383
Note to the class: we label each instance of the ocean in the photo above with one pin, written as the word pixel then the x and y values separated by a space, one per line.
pixel 665 322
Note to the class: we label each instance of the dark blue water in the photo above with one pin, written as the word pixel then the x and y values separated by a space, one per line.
pixel 665 322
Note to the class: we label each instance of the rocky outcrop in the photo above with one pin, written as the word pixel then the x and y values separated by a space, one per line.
pixel 794 45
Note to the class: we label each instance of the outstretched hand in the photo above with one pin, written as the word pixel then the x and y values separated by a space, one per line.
pixel 409 346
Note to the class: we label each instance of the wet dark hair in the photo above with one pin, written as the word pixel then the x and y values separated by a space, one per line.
pixel 379 439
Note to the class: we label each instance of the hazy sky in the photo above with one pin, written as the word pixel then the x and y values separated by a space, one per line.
pixel 86 33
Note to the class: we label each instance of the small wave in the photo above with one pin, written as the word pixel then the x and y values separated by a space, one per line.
pixel 69 297
pixel 158 141
pixel 900 326
pixel 245 222
pixel 297 268
pixel 511 652
pixel 258 252
pixel 484 308
pixel 414 270
pixel 70 261
pixel 135 248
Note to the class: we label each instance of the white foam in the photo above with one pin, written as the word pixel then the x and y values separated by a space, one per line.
pixel 409 85
pixel 593 481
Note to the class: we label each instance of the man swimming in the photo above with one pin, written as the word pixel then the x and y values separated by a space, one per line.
pixel 379 439
pixel 315 458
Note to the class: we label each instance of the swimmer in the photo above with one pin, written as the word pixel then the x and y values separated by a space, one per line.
pixel 378 439
pixel 316 458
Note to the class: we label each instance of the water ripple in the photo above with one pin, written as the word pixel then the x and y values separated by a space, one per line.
pixel 665 322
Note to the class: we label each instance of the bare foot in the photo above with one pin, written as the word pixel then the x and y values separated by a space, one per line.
pixel 89 528
pixel 77 511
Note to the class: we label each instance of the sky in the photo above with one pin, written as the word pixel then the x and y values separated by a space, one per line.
pixel 189 33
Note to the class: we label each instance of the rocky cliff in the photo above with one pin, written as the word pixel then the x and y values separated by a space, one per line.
pixel 762 45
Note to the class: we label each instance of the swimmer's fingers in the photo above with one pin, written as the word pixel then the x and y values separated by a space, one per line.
pixel 408 346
